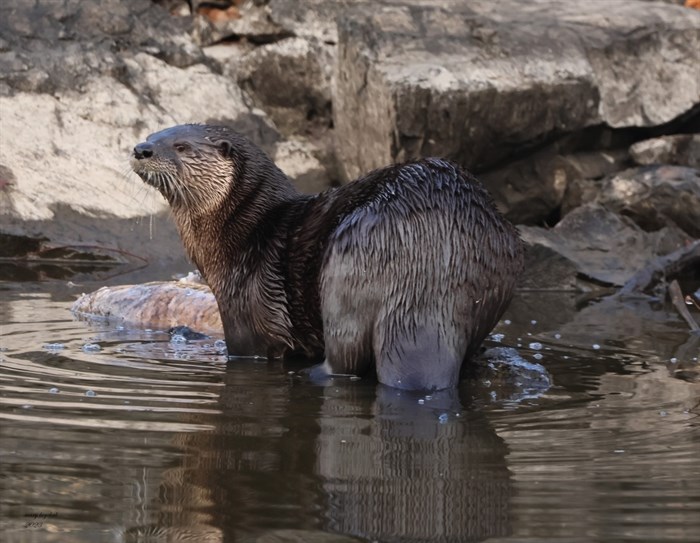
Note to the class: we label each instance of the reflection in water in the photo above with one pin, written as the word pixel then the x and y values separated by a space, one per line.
pixel 175 444
pixel 409 467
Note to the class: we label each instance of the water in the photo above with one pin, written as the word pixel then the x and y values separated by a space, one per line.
pixel 148 439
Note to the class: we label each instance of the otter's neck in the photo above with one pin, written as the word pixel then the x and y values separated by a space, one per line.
pixel 226 241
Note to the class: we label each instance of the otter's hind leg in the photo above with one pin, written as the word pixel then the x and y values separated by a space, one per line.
pixel 417 352
pixel 347 325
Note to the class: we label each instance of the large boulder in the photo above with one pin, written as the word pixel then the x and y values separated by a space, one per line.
pixel 476 81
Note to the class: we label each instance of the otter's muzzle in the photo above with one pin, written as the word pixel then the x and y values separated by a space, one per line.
pixel 143 150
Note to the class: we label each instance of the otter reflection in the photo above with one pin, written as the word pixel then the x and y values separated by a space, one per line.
pixel 351 458
pixel 406 467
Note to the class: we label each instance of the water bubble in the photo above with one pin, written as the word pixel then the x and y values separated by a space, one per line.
pixel 121 327
pixel 53 390
pixel 497 337
pixel 663 413
pixel 91 348
pixel 220 344
pixel 428 397
pixel 90 393
pixel 421 401
pixel 507 321
pixel 557 336
pixel 596 346
pixel 537 356
pixel 535 345
pixel 533 321
pixel 54 346
pixel 674 360
pixel 443 418
pixel 178 338
pixel 188 292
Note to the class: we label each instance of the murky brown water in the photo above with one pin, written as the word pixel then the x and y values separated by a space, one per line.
pixel 149 440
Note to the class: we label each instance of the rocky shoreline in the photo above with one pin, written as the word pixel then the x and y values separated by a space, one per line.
pixel 583 120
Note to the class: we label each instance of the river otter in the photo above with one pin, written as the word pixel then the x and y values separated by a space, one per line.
pixel 406 269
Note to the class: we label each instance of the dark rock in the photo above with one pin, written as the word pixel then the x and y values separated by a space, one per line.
pixel 679 150
pixel 476 81
pixel 603 246
pixel 656 196
pixel 548 270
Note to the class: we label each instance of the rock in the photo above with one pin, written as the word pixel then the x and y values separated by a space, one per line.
pixel 603 246
pixel 299 160
pixel 656 196
pixel 157 305
pixel 548 270
pixel 291 81
pixel 249 20
pixel 476 81
pixel 679 150
pixel 591 168
pixel 532 189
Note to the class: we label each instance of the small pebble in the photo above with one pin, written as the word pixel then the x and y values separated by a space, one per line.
pixel 507 321
pixel 537 356
pixel 533 322
pixel 53 390
pixel 90 393
pixel 428 397
pixel 421 401
pixel 497 337
pixel 557 336
pixel 91 348
pixel 536 346
pixel 674 360
pixel 596 346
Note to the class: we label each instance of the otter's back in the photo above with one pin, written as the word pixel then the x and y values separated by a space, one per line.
pixel 421 270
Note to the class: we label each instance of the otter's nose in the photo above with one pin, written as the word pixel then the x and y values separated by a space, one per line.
pixel 143 150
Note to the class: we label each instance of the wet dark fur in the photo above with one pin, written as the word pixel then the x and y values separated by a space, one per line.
pixel 408 268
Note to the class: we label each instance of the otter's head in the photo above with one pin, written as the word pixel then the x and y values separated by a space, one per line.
pixel 191 165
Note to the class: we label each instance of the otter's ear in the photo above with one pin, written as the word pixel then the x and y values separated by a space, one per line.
pixel 225 147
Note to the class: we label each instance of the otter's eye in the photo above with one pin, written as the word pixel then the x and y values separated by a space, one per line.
pixel 180 147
